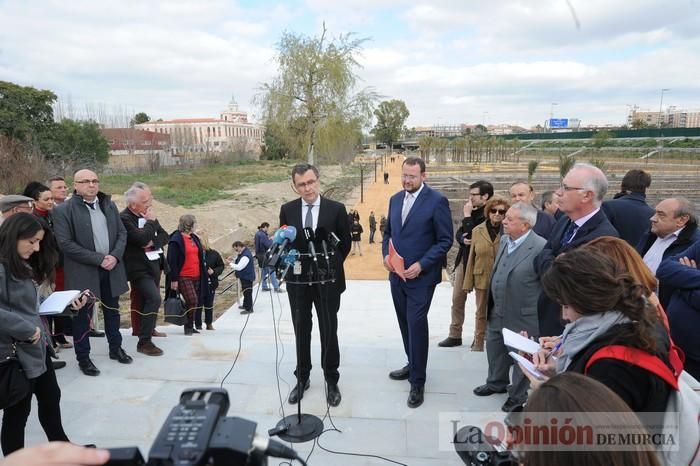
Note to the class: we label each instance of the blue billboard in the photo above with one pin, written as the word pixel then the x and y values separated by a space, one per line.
pixel 558 122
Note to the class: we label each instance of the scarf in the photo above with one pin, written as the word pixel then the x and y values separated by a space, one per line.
pixel 582 332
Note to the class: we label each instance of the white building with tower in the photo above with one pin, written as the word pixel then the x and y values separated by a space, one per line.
pixel 232 132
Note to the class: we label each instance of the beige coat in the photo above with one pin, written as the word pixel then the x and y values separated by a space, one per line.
pixel 482 255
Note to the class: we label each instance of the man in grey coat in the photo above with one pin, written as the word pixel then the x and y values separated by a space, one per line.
pixel 92 237
pixel 513 295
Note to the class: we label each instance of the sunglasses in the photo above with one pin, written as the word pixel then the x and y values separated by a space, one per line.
pixel 498 211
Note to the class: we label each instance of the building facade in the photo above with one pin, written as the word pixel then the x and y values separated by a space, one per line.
pixel 671 118
pixel 232 132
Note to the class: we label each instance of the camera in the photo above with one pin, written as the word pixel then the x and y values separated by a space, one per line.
pixel 476 449
pixel 197 432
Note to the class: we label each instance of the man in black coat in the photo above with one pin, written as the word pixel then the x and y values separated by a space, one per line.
pixel 629 212
pixel 580 195
pixel 674 228
pixel 327 220
pixel 144 260
pixel 479 193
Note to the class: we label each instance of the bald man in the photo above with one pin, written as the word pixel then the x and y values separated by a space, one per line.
pixel 92 237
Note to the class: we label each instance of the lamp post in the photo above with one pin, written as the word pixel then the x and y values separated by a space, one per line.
pixel 362 183
pixel 551 114
pixel 661 103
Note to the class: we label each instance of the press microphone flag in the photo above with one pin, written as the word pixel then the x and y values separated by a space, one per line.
pixel 288 261
pixel 283 236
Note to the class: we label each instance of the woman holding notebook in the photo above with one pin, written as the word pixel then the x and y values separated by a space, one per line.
pixel 27 259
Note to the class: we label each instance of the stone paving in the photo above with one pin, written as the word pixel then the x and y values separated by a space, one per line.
pixel 126 405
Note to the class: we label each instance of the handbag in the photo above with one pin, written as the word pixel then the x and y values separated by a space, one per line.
pixel 14 385
pixel 175 309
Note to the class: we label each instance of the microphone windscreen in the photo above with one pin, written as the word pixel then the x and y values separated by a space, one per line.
pixel 290 233
pixel 308 234
pixel 321 234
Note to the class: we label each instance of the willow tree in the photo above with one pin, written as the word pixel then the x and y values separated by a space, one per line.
pixel 315 90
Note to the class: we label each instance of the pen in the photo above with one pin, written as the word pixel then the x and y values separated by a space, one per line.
pixel 556 348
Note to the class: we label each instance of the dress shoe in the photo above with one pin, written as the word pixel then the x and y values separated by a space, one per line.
pixel 58 364
pixel 241 307
pixel 265 289
pixel 198 327
pixel 415 397
pixel 95 333
pixel 333 395
pixel 188 331
pixel 121 356
pixel 399 374
pixel 449 342
pixel 510 404
pixel 88 368
pixel 210 327
pixel 485 390
pixel 246 311
pixel 196 330
pixel 156 333
pixel 149 349
pixel 295 396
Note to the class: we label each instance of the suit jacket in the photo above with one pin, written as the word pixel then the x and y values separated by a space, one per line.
pixel 135 260
pixel 629 215
pixel 425 237
pixel 688 236
pixel 544 224
pixel 333 217
pixel 73 230
pixel 684 304
pixel 522 285
pixel 482 255
pixel 595 227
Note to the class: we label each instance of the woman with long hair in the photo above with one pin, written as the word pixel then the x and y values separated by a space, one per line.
pixel 482 255
pixel 27 259
pixel 188 268
pixel 605 306
pixel 589 403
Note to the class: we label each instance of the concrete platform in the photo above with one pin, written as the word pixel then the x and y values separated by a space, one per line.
pixel 127 404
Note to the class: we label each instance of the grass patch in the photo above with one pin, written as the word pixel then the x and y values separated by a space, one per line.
pixel 190 187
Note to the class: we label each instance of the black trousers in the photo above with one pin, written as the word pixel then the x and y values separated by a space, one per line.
pixel 148 289
pixel 48 397
pixel 208 307
pixel 247 289
pixel 327 302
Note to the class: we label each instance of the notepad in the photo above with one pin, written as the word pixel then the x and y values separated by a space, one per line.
pixel 528 366
pixel 57 302
pixel 396 261
pixel 519 342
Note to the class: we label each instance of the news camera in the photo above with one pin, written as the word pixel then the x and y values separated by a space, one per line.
pixel 197 432
pixel 474 448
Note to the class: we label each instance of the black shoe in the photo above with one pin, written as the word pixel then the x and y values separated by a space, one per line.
pixel 58 364
pixel 189 331
pixel 198 327
pixel 95 333
pixel 510 405
pixel 88 368
pixel 450 342
pixel 485 390
pixel 399 374
pixel 121 356
pixel 246 311
pixel 294 395
pixel 241 307
pixel 196 330
pixel 415 397
pixel 333 395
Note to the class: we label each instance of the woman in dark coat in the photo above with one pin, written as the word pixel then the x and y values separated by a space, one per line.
pixel 605 306
pixel 215 266
pixel 188 269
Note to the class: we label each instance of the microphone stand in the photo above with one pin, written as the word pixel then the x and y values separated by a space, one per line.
pixel 299 427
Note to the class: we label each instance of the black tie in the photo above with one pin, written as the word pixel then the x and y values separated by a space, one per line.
pixel 90 204
pixel 569 234
pixel 309 220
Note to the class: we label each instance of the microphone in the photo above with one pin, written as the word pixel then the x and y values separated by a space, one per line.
pixel 322 234
pixel 288 260
pixel 334 239
pixel 283 236
pixel 270 447
pixel 310 237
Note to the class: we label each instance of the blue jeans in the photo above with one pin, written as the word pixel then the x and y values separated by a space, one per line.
pixel 268 272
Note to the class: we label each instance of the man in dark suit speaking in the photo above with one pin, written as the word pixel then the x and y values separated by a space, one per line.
pixel 325 222
pixel 419 226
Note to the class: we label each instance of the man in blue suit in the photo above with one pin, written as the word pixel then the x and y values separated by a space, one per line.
pixel 419 226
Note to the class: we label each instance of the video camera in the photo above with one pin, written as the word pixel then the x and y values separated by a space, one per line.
pixel 474 448
pixel 197 433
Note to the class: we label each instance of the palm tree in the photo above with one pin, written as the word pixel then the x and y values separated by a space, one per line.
pixel 565 164
pixel 531 167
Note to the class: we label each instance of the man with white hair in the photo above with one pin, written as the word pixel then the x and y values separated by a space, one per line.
pixel 579 197
pixel 513 294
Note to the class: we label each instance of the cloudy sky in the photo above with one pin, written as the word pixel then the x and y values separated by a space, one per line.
pixel 451 61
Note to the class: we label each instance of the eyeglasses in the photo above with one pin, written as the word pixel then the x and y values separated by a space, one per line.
pixel 304 185
pixel 564 187
pixel 409 177
pixel 476 194
pixel 498 211
pixel 87 181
